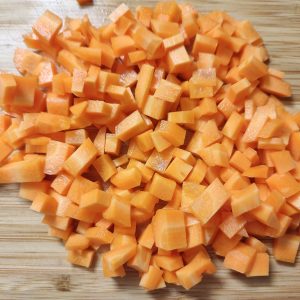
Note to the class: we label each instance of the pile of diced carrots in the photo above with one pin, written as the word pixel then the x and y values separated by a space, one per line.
pixel 159 134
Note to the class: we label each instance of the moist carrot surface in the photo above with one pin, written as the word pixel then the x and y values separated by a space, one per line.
pixel 158 134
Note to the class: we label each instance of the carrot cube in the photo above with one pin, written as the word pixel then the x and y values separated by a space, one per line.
pixel 144 200
pixel 283 161
pixel 285 184
pixel 28 190
pixel 173 41
pixel 192 273
pixel 151 278
pixel 98 236
pixel 122 44
pixel 169 229
pixel 144 141
pixel 159 142
pixel 275 86
pixel 162 188
pixel 198 172
pixel 205 44
pixel 240 258
pixel 253 69
pixel 285 248
pixel 81 258
pixel 182 117
pixel 239 90
pixel 156 108
pixel 105 167
pixel 62 183
pixel 142 89
pixel 31 170
pixel 8 88
pixel 132 125
pixel 239 161
pixel 141 260
pixel 118 212
pixel 44 203
pixel 172 132
pixel 95 200
pixel 127 179
pixel 81 159
pixel 178 170
pixel 179 60
pixel 47 26
pixel 77 242
pixel 167 91
pixel 260 265
pixel 207 205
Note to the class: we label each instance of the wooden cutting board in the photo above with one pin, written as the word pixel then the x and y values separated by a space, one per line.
pixel 33 265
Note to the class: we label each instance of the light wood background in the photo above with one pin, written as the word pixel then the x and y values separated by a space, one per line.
pixel 33 265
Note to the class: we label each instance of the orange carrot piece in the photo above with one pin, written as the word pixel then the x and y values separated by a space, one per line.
pixel 81 159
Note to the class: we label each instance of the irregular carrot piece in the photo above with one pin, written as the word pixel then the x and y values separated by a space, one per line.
pixel 169 229
pixel 222 244
pixel 253 69
pixel 8 88
pixel 81 159
pixel 257 244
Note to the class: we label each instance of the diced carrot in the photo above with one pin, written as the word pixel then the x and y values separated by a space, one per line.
pixel 81 159
pixel 260 266
pixel 47 26
pixel 285 248
pixel 240 258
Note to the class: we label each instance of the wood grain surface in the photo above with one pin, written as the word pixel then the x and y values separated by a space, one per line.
pixel 33 265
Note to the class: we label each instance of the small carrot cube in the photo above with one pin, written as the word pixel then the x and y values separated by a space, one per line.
pixel 245 200
pixel 169 229
pixel 95 200
pixel 44 203
pixel 285 248
pixel 172 132
pixel 105 167
pixel 207 205
pixel 253 69
pixel 260 265
pixel 8 88
pixel 283 161
pixel 81 159
pixel 127 179
pixel 162 188
pixel 179 60
pixel 122 44
pixel 182 117
pixel 132 125
pixel 205 44
pixel 47 26
pixel 118 212
pixel 240 258
pixel 239 161
pixel 77 242
pixel 151 278
pixel 168 91
pixel 285 184
pixel 178 170
pixel 81 258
